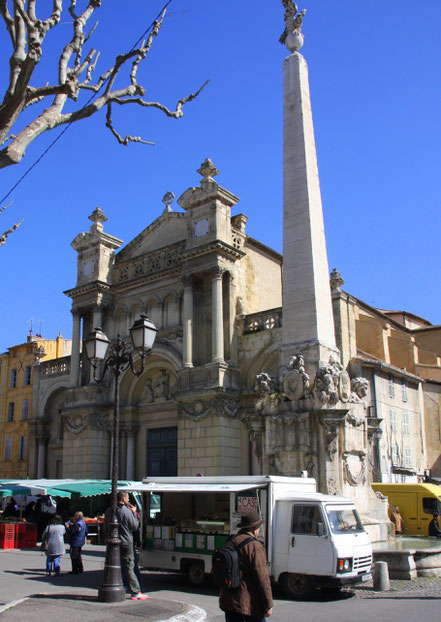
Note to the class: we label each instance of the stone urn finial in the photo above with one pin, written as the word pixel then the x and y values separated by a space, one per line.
pixel 168 199
pixel 97 217
pixel 292 36
pixel 336 280
pixel 208 170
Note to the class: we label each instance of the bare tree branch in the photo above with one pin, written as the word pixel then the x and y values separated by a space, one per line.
pixel 6 233
pixel 175 114
pixel 27 34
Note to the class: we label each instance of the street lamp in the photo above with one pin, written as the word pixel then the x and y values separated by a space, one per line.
pixel 117 360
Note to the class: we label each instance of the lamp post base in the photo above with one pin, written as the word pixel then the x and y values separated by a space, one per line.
pixel 112 594
pixel 112 589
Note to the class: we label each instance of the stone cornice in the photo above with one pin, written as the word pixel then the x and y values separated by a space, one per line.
pixel 93 238
pixel 219 247
pixel 88 287
pixel 175 271
pixel 211 191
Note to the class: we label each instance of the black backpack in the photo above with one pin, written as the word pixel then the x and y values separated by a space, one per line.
pixel 225 564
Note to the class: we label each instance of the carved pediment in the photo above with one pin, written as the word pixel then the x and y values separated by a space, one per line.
pixel 167 230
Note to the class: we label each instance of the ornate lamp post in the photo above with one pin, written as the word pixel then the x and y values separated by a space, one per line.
pixel 117 361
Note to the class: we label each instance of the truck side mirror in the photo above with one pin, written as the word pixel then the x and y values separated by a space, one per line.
pixel 320 530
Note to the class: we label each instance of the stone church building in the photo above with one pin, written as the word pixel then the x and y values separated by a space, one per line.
pixel 254 369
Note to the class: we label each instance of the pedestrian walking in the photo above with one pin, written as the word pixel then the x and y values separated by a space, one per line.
pixel 53 545
pixel 76 532
pixel 128 526
pixel 252 601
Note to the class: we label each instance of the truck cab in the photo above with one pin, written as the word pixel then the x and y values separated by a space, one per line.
pixel 319 541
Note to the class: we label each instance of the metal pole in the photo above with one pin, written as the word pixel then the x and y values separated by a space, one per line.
pixel 112 589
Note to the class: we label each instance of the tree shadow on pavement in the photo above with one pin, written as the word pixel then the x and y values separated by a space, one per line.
pixel 90 578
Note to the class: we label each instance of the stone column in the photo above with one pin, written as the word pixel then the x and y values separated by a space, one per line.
pixel 97 321
pixel 130 455
pixel 255 452
pixel 217 320
pixel 75 356
pixel 41 458
pixel 187 322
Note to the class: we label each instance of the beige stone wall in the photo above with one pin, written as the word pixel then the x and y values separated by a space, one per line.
pixel 432 422
pixel 429 341
pixel 401 350
pixel 369 334
pixel 85 455
pixel 210 446
pixel 259 352
pixel 261 280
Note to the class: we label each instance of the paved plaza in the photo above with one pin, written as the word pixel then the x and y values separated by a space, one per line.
pixel 26 593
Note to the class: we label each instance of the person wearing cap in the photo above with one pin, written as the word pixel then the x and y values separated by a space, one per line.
pixel 252 601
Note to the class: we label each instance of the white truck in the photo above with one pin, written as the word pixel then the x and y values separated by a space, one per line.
pixel 312 540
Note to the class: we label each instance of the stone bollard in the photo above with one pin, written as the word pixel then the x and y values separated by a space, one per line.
pixel 381 577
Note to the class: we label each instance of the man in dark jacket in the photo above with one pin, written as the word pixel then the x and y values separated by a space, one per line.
pixel 128 525
pixel 77 537
pixel 252 601
pixel 434 529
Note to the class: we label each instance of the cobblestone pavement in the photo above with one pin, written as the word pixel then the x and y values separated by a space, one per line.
pixel 429 586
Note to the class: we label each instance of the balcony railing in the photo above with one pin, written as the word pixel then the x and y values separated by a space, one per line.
pixel 264 320
pixel 55 367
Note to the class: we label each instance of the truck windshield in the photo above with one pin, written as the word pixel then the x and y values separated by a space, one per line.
pixel 344 520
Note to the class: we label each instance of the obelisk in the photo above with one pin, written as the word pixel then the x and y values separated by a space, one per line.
pixel 308 323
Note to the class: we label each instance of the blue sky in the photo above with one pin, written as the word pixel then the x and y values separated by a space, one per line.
pixel 376 92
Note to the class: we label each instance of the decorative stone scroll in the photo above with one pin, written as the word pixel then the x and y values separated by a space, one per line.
pixel 76 423
pixel 354 467
pixel 200 409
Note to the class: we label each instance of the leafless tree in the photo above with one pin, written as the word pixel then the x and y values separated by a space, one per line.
pixel 75 74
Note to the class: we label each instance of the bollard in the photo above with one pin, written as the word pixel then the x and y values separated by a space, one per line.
pixel 381 577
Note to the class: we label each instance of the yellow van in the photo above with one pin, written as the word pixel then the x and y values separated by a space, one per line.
pixel 417 503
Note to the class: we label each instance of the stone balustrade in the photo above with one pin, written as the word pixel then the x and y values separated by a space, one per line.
pixel 56 367
pixel 264 320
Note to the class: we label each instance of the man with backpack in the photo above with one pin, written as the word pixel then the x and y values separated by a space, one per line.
pixel 251 600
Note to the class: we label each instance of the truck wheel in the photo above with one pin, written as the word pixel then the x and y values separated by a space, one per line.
pixel 196 574
pixel 296 586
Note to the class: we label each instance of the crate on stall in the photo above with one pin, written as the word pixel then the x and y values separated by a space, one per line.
pixel 7 531
pixel 7 536
pixel 26 538
pixel 7 544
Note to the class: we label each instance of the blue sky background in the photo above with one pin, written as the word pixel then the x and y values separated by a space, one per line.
pixel 376 90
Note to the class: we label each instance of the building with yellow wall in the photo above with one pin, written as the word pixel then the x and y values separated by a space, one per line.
pixel 16 386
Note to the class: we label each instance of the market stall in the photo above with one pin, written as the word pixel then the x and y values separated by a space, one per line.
pixel 64 496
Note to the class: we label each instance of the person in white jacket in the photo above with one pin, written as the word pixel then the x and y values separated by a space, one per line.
pixel 53 544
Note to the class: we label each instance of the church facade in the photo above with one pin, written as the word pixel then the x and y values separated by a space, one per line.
pixel 259 366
